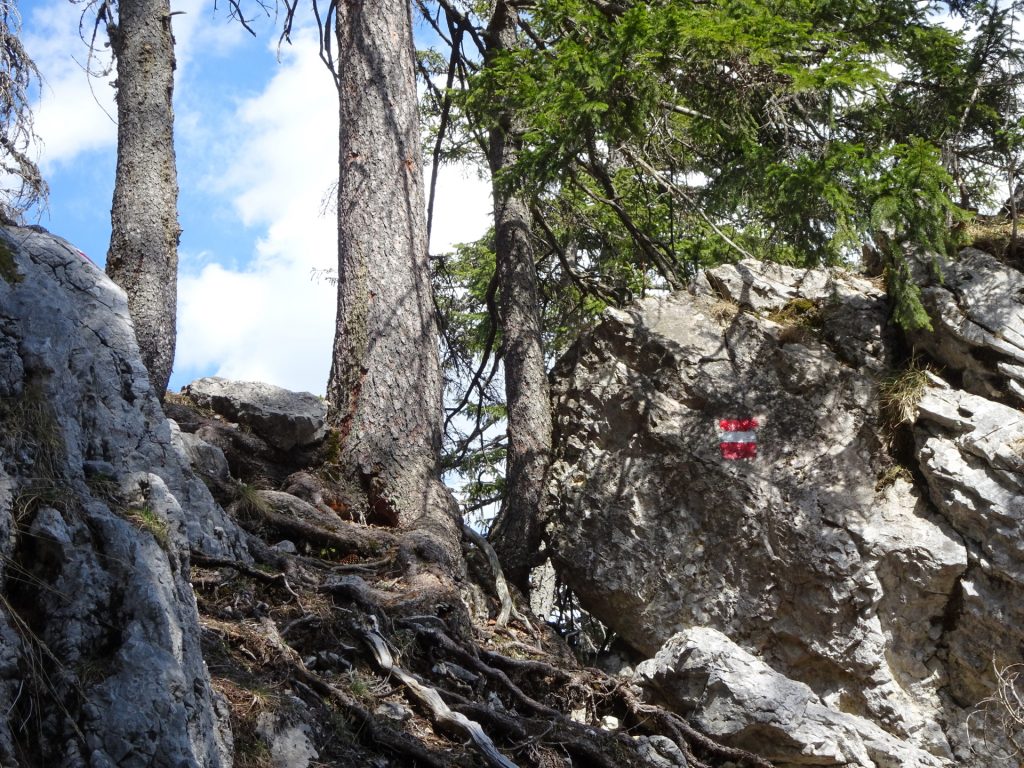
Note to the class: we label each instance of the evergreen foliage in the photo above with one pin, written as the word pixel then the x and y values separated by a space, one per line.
pixel 660 137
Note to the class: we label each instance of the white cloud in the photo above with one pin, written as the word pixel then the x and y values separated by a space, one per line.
pixel 76 113
pixel 462 209
pixel 200 29
pixel 269 321
pixel 272 325
pixel 70 117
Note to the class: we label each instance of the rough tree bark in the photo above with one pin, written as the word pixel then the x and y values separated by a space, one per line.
pixel 516 533
pixel 385 381
pixel 143 255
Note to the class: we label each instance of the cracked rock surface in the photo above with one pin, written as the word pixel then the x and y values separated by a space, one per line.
pixel 100 662
pixel 283 418
pixel 879 597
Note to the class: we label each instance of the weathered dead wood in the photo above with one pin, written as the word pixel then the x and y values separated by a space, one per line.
pixel 442 714
pixel 376 731
pixel 500 585
pixel 371 727
pixel 443 641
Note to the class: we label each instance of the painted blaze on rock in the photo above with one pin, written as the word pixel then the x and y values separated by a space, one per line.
pixel 738 439
pixel 835 577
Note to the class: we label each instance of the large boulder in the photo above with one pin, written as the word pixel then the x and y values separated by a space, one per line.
pixel 285 419
pixel 820 555
pixel 737 698
pixel 100 662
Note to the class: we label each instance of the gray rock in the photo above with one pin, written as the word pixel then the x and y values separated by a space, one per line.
pixel 107 510
pixel 971 451
pixel 283 418
pixel 207 461
pixel 287 732
pixel 392 710
pixel 839 577
pixel 977 312
pixel 661 752
pixel 736 697
pixel 763 286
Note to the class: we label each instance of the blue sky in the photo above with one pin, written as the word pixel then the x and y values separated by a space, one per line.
pixel 256 142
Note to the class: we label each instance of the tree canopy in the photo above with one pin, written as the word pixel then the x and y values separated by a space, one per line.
pixel 658 137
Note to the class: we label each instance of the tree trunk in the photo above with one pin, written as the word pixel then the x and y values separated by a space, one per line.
pixel 385 382
pixel 516 533
pixel 143 255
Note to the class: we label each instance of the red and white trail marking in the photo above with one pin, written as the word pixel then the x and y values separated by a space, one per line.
pixel 738 440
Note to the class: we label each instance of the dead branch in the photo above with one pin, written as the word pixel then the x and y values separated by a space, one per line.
pixel 431 699
pixel 500 585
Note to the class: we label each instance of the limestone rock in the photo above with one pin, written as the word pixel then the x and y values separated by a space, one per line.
pixel 971 451
pixel 977 312
pixel 101 661
pixel 287 731
pixel 856 328
pixel 811 555
pixel 250 458
pixel 736 697
pixel 283 418
pixel 207 461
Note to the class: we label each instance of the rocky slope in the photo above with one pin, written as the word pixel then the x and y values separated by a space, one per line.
pixel 843 597
pixel 100 660
pixel 193 590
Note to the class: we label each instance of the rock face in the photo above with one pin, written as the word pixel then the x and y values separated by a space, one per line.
pixel 736 697
pixel 877 601
pixel 977 310
pixel 100 661
pixel 285 419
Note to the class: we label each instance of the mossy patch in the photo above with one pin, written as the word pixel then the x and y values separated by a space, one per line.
pixel 890 475
pixel 147 520
pixel 800 312
pixel 8 267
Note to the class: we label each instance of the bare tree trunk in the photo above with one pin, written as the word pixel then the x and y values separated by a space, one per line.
pixel 385 382
pixel 516 533
pixel 143 255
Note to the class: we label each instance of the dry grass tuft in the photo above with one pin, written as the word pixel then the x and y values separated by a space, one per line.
pixel 900 392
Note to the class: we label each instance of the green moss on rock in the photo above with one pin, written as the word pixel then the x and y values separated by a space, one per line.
pixel 8 267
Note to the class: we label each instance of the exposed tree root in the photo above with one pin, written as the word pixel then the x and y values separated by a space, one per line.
pixel 514 711
pixel 375 731
pixel 508 608
pixel 431 699
pixel 344 536
pixel 514 692
pixel 275 579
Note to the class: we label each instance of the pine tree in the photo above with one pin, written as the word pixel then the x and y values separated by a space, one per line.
pixel 385 381
pixel 143 255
